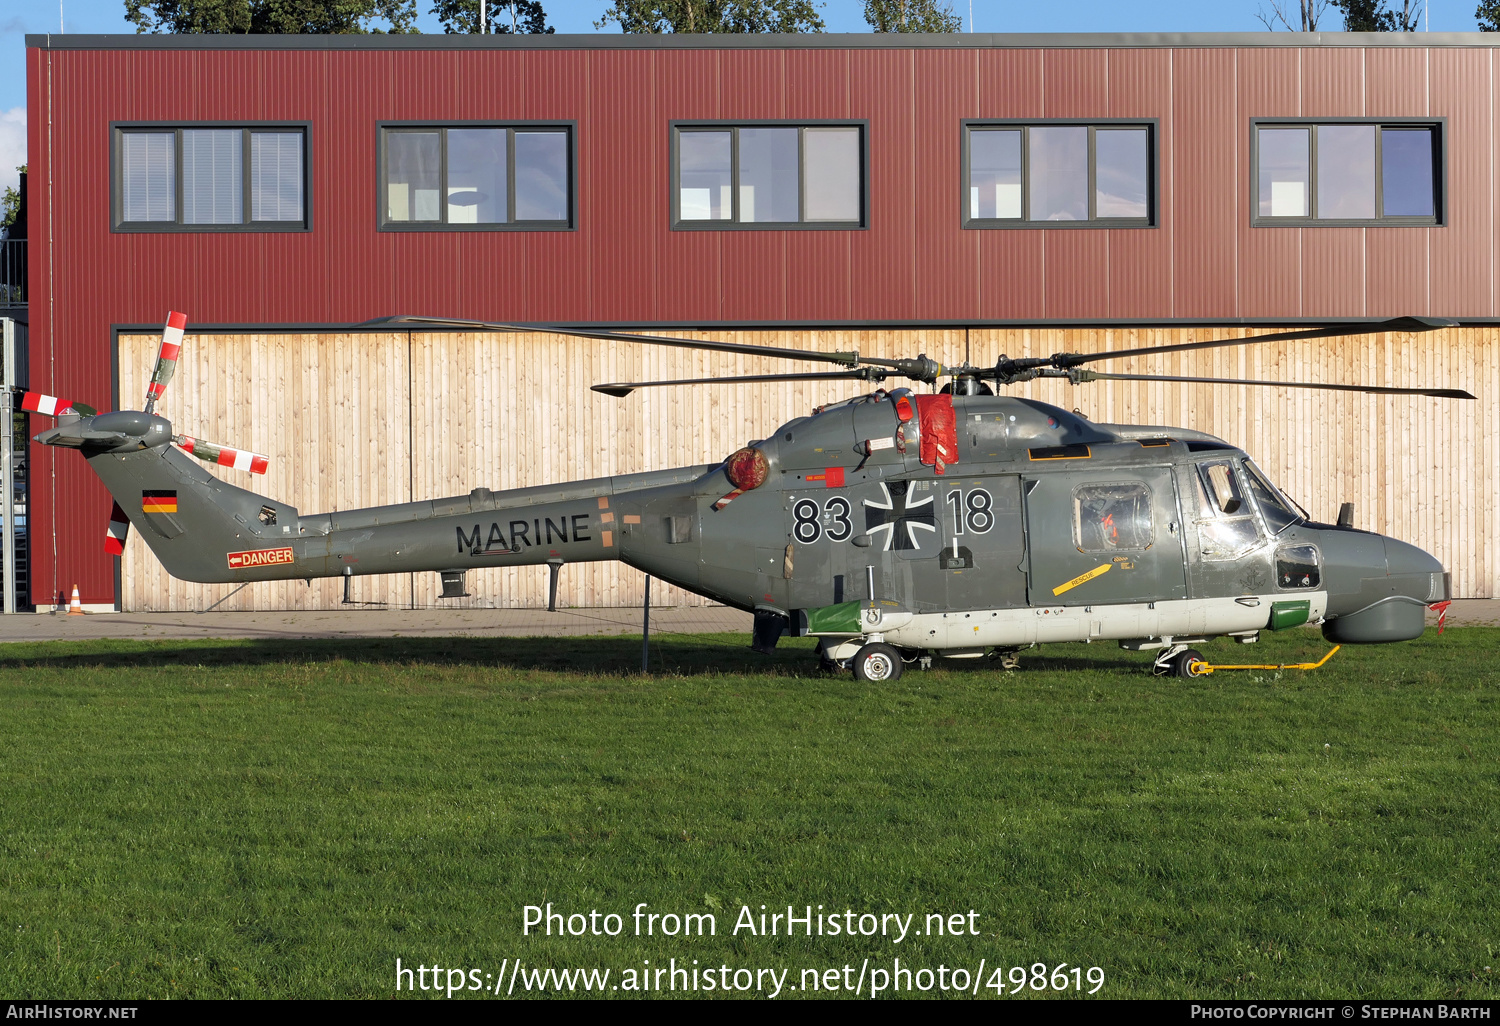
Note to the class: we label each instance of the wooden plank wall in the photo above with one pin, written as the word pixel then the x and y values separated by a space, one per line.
pixel 367 419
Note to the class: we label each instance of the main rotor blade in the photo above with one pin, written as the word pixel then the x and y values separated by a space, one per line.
pixel 1327 331
pixel 622 389
pixel 844 359
pixel 1440 393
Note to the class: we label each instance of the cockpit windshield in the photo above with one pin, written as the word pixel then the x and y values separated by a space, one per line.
pixel 1279 511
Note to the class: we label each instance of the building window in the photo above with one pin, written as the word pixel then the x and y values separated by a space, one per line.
pixel 1361 173
pixel 768 176
pixel 476 177
pixel 211 178
pixel 1060 174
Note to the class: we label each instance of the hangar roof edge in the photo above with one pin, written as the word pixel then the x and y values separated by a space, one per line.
pixel 799 41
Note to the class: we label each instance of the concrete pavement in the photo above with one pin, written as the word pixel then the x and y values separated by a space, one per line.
pixel 431 623
pixel 370 623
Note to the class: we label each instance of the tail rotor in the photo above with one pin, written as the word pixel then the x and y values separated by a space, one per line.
pixel 119 530
pixel 161 376
pixel 166 358
pixel 223 455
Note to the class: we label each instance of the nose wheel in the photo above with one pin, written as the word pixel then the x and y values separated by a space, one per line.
pixel 1177 661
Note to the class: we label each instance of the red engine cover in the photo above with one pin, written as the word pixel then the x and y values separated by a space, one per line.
pixel 939 431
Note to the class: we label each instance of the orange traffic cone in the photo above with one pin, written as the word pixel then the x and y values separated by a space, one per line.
pixel 75 608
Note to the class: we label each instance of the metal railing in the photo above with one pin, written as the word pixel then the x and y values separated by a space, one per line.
pixel 12 272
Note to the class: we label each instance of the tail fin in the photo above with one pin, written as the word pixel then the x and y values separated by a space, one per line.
pixel 195 522
pixel 163 493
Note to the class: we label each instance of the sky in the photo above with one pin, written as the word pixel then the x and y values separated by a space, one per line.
pixel 20 17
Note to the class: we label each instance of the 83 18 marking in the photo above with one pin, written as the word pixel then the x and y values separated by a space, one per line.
pixel 972 514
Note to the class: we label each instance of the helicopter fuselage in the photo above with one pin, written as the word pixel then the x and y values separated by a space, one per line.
pixel 950 525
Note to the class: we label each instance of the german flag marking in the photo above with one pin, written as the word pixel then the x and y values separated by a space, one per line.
pixel 158 502
pixel 1082 578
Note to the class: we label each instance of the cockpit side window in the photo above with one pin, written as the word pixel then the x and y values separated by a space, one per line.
pixel 1226 524
pixel 1276 510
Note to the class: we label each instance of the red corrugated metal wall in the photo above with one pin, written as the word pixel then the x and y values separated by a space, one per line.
pixel 624 264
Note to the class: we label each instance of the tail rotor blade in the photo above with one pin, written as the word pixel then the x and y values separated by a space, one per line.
pixel 223 455
pixel 50 405
pixel 166 358
pixel 119 530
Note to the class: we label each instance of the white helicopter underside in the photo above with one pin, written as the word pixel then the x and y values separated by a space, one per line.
pixel 1140 626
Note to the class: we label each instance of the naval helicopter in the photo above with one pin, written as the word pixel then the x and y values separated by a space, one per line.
pixel 894 527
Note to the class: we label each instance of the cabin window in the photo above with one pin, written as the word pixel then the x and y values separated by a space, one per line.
pixel 1111 517
pixel 1226 524
pixel 476 177
pixel 774 175
pixel 210 178
pixel 1359 172
pixel 1297 566
pixel 1059 175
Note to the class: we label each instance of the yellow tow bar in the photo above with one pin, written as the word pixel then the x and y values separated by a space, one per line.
pixel 1197 667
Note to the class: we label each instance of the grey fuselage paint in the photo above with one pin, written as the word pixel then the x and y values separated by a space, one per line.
pixel 1021 522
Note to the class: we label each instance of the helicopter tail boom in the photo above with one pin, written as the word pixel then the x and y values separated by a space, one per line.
pixel 206 530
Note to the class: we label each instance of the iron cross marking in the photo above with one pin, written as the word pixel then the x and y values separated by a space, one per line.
pixel 899 518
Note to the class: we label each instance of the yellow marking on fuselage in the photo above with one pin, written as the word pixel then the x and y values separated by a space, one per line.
pixel 1082 578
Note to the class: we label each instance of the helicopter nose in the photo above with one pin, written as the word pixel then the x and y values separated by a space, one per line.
pixel 1403 560
pixel 1380 595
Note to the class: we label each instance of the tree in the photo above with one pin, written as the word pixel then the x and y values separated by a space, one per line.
pixel 912 16
pixel 502 17
pixel 270 17
pixel 1409 17
pixel 1375 16
pixel 1305 15
pixel 658 16
pixel 1488 15
pixel 1365 15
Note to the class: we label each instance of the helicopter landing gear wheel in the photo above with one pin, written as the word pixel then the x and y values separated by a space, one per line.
pixel 877 663
pixel 1181 665
pixel 1009 660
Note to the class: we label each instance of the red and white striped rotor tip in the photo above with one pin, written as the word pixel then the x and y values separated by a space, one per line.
pixel 223 455
pixel 119 530
pixel 166 358
pixel 51 405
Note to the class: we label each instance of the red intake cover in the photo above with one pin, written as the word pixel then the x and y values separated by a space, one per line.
pixel 747 468
pixel 939 430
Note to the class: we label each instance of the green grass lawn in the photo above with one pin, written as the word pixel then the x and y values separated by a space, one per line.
pixel 247 819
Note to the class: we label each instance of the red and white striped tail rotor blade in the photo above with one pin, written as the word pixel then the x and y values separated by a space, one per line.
pixel 166 358
pixel 223 455
pixel 51 405
pixel 119 530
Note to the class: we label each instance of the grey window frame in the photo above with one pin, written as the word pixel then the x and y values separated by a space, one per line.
pixel 733 224
pixel 1153 173
pixel 117 129
pixel 569 130
pixel 1439 218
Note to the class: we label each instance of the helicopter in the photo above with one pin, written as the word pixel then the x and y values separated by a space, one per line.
pixel 894 527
